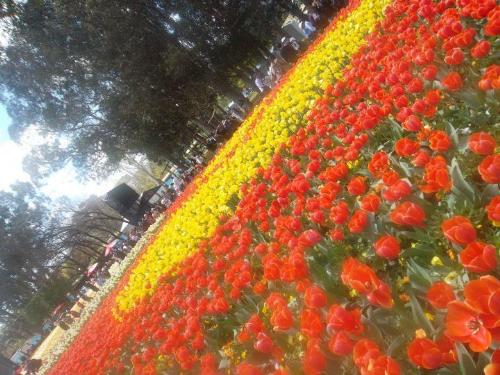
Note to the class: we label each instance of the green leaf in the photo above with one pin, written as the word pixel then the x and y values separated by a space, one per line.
pixel 446 371
pixel 395 345
pixel 419 316
pixel 490 191
pixel 452 132
pixel 418 275
pixel 465 361
pixel 460 185
pixel 396 128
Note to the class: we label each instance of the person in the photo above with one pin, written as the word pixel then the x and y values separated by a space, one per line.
pixel 20 370
pixel 308 28
pixel 83 294
pixel 314 18
pixel 259 83
pixel 90 284
pixel 133 236
pixel 236 114
pixel 290 50
pixel 165 201
pixel 276 69
pixel 71 298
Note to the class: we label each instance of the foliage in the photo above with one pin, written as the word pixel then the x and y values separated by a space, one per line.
pixel 117 78
pixel 48 297
pixel 24 250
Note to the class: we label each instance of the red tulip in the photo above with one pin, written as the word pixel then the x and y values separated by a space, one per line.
pixel 315 297
pixel 481 49
pixel 436 176
pixel 281 319
pixel 357 186
pixel 475 321
pixel 363 279
pixel 275 300
pixel 382 365
pixel 479 257
pixel 208 364
pixel 254 324
pixel 309 238
pixel 336 234
pixel 440 294
pixel 439 141
pixel 493 368
pixel 271 266
pixel 454 56
pixel 493 209
pixel 379 163
pixel 463 324
pixel 492 27
pixel 387 247
pixel 185 358
pixel 335 173
pixel 364 352
pixel 311 324
pixel 370 203
pixel 458 229
pixel 358 221
pixel 483 295
pixel 482 143
pixel 339 213
pixel 430 72
pixel 412 123
pixel 390 177
pixel 424 353
pixel 489 169
pixel 314 361
pixel 421 158
pixel 397 191
pixel 409 214
pixel 452 81
pixel 248 369
pixel 406 147
pixel 341 319
pixel 491 78
pixel 263 344
pixel 340 344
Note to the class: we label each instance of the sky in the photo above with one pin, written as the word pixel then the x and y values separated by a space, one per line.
pixel 62 183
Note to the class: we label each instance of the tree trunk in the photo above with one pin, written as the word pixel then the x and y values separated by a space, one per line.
pixel 145 170
pixel 227 89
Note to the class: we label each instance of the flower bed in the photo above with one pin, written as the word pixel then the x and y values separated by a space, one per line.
pixel 366 244
pixel 252 146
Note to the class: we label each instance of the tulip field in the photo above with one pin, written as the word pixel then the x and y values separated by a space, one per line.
pixel 350 226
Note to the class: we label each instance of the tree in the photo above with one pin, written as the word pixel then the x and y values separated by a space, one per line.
pixel 119 78
pixel 112 85
pixel 81 236
pixel 24 254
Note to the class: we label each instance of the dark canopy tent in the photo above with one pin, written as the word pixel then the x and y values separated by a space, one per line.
pixel 123 199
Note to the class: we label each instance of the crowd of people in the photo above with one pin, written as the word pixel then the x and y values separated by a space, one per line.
pixel 317 15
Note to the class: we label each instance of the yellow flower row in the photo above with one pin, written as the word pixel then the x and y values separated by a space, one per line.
pixel 252 146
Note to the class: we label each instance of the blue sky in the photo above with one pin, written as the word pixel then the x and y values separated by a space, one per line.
pixel 4 124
